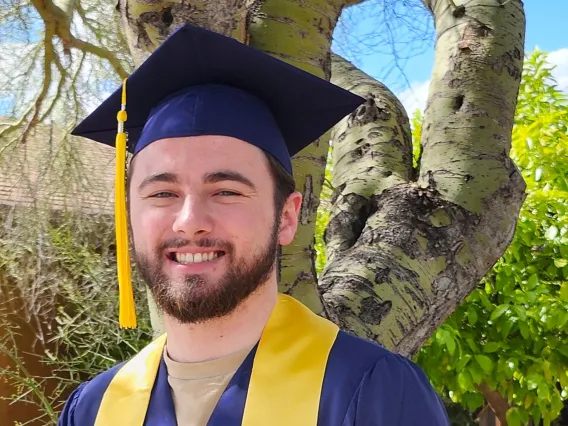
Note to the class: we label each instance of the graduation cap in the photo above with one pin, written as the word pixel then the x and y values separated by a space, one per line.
pixel 198 82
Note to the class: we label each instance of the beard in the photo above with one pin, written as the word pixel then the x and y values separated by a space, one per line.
pixel 195 299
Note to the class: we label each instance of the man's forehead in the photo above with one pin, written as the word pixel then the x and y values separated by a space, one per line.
pixel 197 149
pixel 199 156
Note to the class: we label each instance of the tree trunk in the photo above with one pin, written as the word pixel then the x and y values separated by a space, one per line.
pixel 497 407
pixel 405 246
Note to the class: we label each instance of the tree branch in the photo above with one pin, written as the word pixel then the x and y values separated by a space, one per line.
pixel 372 151
pixel 498 404
pixel 468 121
pixel 418 249
pixel 147 24
pixel 59 91
pixel 35 107
pixel 68 6
pixel 311 52
pixel 58 23
pixel 49 54
pixel 101 52
pixel 9 126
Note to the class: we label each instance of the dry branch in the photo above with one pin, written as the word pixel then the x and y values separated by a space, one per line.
pixel 58 23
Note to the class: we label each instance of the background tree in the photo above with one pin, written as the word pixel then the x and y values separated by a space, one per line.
pixel 405 243
pixel 507 344
pixel 510 336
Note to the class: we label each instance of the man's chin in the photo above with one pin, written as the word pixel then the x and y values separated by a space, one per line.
pixel 180 274
pixel 201 309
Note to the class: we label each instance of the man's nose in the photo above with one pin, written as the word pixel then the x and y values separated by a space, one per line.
pixel 193 218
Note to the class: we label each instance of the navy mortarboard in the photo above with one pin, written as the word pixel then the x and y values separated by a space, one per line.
pixel 201 83
pixel 197 83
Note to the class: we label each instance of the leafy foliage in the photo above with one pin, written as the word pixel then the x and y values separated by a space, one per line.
pixel 511 333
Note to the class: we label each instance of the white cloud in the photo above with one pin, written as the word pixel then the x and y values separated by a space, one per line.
pixel 415 97
pixel 559 59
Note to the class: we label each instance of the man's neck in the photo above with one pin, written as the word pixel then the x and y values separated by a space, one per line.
pixel 217 338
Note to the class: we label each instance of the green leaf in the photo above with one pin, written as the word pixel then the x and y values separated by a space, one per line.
pixel 449 342
pixel 476 373
pixel 521 312
pixel 546 369
pixel 500 310
pixel 532 282
pixel 471 315
pixel 564 291
pixel 542 390
pixel 464 380
pixel 471 344
pixel 485 363
pixel 536 414
pixel 552 270
pixel 562 320
pixel 508 324
pixel 514 417
pixel 491 347
pixel 462 362
pixel 525 331
pixel 560 263
pixel 563 349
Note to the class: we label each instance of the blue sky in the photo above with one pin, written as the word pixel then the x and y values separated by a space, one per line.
pixel 408 75
pixel 393 41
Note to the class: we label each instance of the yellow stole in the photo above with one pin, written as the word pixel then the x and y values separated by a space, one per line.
pixel 285 385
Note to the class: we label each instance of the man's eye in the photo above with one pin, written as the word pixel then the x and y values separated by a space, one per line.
pixel 227 193
pixel 163 194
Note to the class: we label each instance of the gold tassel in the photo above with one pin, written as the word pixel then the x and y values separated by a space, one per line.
pixel 127 312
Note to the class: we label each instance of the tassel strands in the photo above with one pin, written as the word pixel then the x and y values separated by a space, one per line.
pixel 127 311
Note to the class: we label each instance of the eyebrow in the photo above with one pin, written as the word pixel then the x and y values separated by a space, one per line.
pixel 228 175
pixel 158 177
pixel 209 178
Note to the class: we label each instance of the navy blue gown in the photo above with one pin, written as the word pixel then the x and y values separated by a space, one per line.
pixel 364 385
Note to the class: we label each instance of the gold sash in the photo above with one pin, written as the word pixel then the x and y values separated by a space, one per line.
pixel 285 385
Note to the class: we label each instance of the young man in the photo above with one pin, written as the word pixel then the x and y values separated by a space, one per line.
pixel 212 125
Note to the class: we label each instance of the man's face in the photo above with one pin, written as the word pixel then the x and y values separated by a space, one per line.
pixel 204 225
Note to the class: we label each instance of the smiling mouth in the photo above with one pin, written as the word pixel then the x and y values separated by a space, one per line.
pixel 190 258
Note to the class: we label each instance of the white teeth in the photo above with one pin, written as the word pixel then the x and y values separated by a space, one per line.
pixel 186 258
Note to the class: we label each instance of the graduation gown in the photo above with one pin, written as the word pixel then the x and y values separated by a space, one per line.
pixel 362 384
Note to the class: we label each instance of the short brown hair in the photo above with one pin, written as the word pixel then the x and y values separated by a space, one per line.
pixel 283 182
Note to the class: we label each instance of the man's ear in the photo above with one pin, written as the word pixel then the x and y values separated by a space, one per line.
pixel 289 218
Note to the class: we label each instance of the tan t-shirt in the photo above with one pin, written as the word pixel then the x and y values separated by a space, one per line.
pixel 197 387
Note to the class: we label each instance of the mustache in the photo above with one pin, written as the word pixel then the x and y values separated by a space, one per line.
pixel 174 243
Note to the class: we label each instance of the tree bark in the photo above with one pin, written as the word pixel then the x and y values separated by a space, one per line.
pixel 405 246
